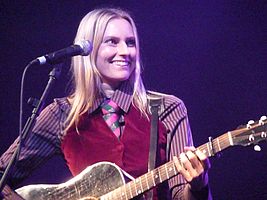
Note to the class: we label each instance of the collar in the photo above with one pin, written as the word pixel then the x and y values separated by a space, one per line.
pixel 123 97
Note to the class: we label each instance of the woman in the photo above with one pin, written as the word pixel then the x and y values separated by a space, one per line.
pixel 75 126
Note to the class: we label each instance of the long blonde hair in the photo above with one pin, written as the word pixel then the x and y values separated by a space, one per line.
pixel 86 77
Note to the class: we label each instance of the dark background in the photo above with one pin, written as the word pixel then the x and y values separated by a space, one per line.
pixel 211 54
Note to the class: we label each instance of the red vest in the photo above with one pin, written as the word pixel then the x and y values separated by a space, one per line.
pixel 96 142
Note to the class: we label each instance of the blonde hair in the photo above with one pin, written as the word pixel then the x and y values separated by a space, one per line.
pixel 86 77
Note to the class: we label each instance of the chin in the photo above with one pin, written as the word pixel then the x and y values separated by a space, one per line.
pixel 122 77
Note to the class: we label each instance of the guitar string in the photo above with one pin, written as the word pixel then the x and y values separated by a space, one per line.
pixel 133 186
pixel 223 143
pixel 72 191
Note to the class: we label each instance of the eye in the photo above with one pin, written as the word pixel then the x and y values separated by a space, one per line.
pixel 111 41
pixel 131 43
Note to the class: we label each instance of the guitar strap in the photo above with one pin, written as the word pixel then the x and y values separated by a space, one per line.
pixel 155 102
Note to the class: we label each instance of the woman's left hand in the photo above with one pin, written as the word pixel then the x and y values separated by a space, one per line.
pixel 193 165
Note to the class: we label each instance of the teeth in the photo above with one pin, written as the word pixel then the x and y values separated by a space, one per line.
pixel 121 62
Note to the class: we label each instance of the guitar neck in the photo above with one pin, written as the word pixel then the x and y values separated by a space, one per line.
pixel 164 172
pixel 218 144
pixel 143 183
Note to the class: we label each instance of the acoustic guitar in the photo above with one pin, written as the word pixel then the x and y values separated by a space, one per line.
pixel 106 181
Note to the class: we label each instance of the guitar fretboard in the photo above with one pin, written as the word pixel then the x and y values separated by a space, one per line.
pixel 164 172
pixel 143 183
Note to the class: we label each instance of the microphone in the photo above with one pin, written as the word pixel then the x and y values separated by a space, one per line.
pixel 82 48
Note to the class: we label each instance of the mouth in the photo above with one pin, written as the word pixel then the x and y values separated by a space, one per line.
pixel 122 63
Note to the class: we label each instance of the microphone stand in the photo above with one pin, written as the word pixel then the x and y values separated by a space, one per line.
pixel 53 76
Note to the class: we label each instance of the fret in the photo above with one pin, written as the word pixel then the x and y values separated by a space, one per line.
pixel 141 183
pixel 211 146
pixel 157 178
pixel 230 138
pixel 124 193
pixel 112 194
pixel 130 189
pixel 218 143
pixel 174 168
pixel 167 173
pixel 159 174
pixel 208 148
pixel 115 195
pixel 137 189
pixel 152 176
pixel 118 193
pixel 203 149
pixel 147 181
pixel 126 196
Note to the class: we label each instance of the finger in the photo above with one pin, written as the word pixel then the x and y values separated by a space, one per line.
pixel 196 164
pixel 177 164
pixel 189 148
pixel 180 168
pixel 189 171
pixel 204 159
pixel 201 156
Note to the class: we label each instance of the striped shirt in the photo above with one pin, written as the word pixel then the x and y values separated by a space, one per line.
pixel 48 133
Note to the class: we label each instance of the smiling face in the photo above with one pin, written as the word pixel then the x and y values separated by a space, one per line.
pixel 116 55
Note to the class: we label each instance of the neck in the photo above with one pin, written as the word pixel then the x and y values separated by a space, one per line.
pixel 108 90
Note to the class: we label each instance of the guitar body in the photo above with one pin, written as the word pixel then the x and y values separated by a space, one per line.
pixel 93 182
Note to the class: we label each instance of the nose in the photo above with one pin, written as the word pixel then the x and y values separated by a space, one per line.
pixel 123 49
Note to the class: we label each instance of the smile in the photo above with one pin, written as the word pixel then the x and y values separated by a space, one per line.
pixel 121 62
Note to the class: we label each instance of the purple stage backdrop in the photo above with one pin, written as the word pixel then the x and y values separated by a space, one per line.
pixel 211 54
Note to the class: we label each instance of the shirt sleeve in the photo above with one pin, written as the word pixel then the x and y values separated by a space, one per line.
pixel 42 143
pixel 175 117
